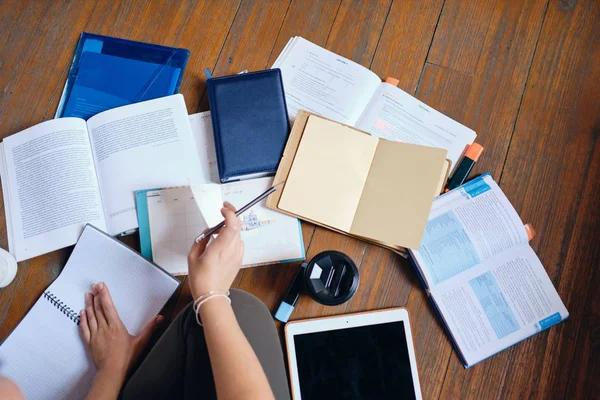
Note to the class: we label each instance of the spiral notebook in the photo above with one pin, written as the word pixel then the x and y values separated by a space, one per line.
pixel 45 354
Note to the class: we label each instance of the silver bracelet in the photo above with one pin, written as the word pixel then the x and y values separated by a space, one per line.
pixel 206 297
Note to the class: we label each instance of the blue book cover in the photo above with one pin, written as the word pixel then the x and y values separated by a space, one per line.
pixel 250 123
pixel 105 81
pixel 110 72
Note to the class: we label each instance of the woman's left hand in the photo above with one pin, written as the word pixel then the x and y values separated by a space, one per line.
pixel 112 348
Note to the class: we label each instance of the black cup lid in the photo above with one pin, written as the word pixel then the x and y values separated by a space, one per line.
pixel 331 277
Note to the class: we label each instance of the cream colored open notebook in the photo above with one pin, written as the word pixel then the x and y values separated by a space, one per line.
pixel 361 185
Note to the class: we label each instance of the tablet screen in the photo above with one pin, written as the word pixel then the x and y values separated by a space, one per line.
pixel 367 362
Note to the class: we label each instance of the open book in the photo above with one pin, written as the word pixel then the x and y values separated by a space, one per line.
pixel 63 173
pixel 355 183
pixel 175 220
pixel 483 277
pixel 330 85
pixel 45 354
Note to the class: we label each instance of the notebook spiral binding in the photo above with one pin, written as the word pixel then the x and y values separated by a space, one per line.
pixel 62 307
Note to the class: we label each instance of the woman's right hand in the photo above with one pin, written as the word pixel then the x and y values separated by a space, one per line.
pixel 214 266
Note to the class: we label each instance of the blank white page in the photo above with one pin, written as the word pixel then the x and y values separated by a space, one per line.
pixel 45 354
pixel 139 288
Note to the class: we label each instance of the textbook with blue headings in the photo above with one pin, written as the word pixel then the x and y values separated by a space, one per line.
pixel 482 276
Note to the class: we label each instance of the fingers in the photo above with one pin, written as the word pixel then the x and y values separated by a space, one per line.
pixel 232 228
pixel 84 326
pixel 100 317
pixel 90 314
pixel 108 308
pixel 229 206
pixel 199 247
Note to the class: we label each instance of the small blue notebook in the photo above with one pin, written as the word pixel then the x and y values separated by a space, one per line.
pixel 250 123
pixel 110 72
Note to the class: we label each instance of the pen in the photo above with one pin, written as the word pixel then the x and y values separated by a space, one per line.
pixel 464 168
pixel 239 212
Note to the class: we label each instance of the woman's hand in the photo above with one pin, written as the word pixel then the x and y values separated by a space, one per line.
pixel 112 348
pixel 215 266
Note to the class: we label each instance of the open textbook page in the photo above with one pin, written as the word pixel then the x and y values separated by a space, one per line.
pixel 324 83
pixel 207 190
pixel 487 282
pixel 395 115
pixel 140 146
pixel 499 303
pixel 466 226
pixel 49 186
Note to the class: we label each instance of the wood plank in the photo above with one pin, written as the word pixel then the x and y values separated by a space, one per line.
pixel 250 40
pixel 57 29
pixel 18 22
pixel 461 35
pixel 486 97
pixel 488 100
pixel 357 29
pixel 204 33
pixel 551 175
pixel 582 381
pixel 405 41
pixel 311 19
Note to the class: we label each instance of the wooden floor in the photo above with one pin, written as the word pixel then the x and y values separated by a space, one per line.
pixel 525 75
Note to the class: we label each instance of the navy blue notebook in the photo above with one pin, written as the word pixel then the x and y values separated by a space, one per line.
pixel 250 123
pixel 110 72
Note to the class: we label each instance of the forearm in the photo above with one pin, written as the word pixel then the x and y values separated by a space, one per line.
pixel 106 385
pixel 236 369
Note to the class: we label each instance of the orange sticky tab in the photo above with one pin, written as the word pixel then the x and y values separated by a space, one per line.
pixel 530 231
pixel 474 151
pixel 392 81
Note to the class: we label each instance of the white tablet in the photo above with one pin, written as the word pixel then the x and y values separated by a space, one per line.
pixel 355 356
